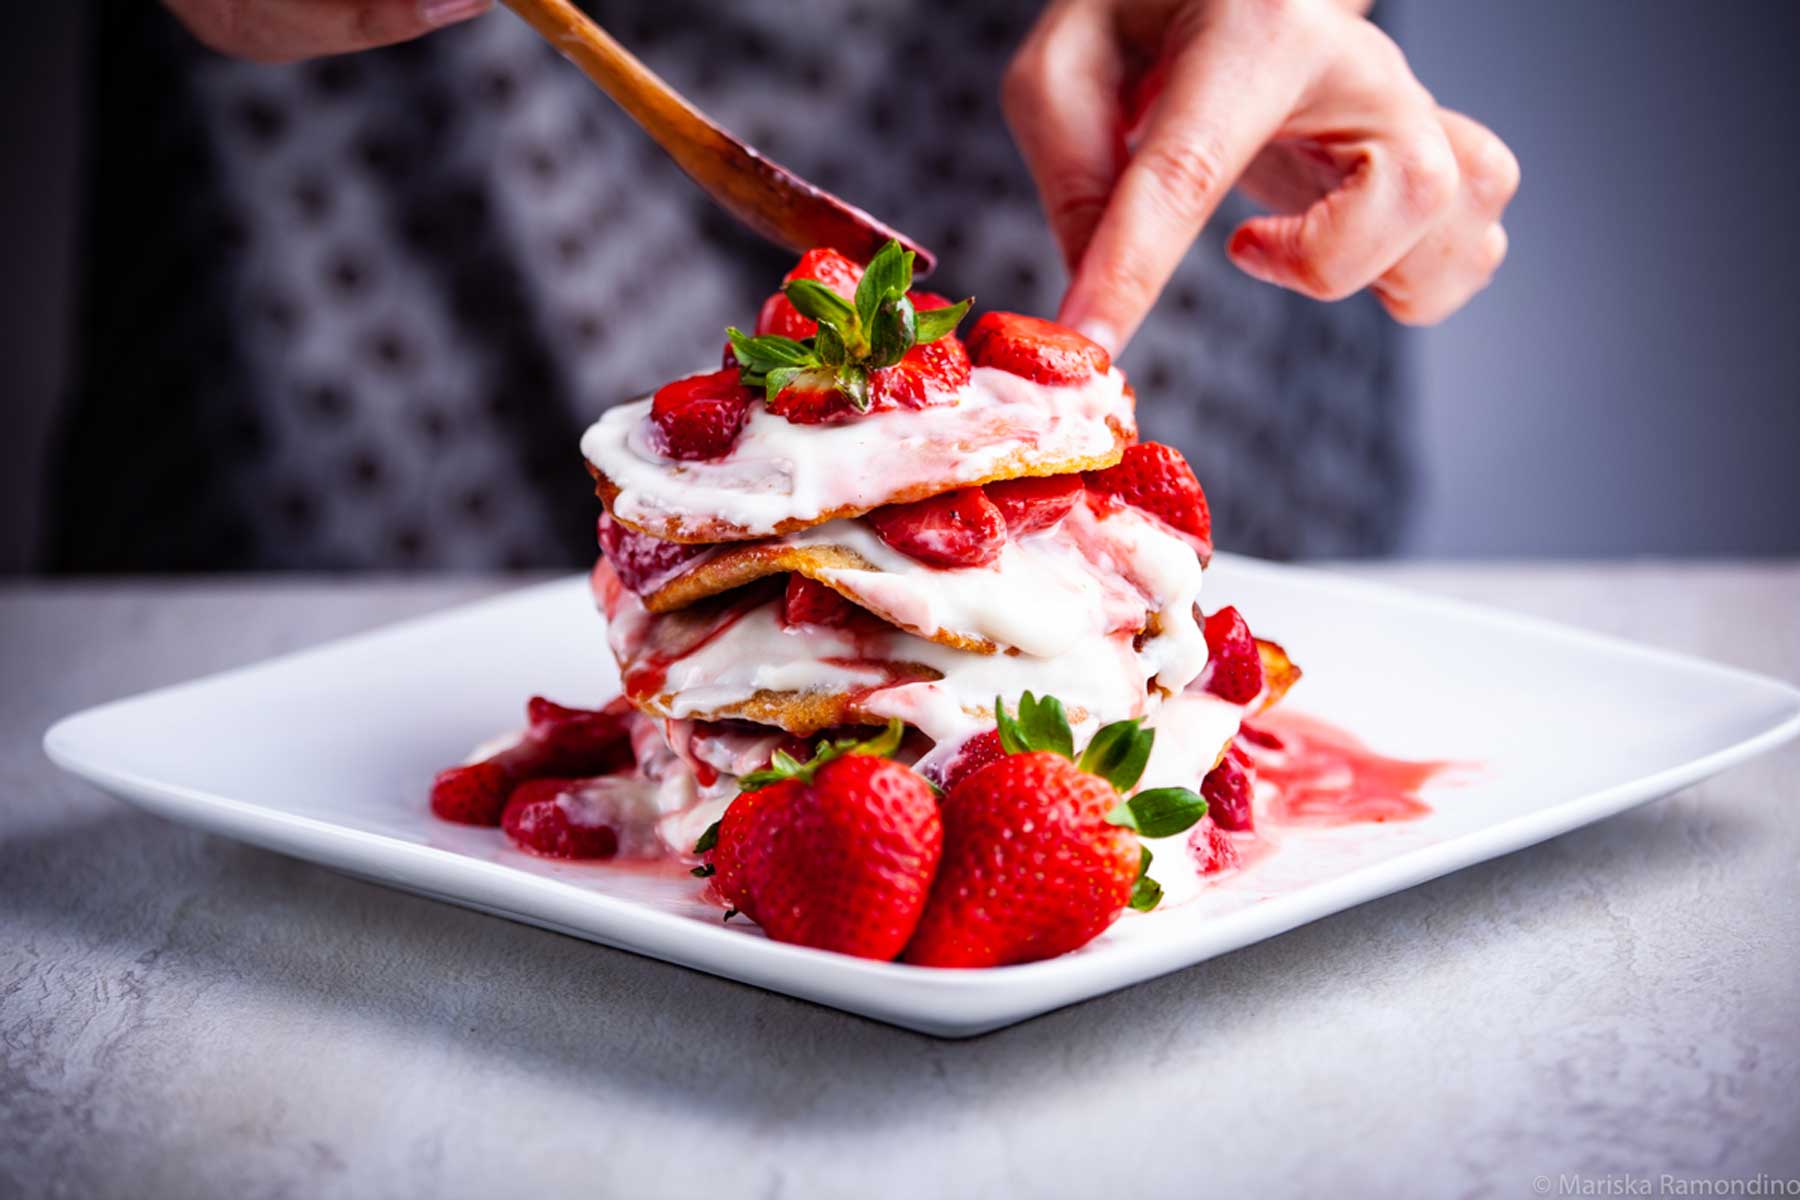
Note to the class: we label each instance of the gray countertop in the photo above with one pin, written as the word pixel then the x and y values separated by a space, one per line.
pixel 183 1015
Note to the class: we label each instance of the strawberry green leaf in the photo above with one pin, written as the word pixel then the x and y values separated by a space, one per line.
pixel 1012 738
pixel 1146 893
pixel 813 299
pixel 887 277
pixel 853 381
pixel 1040 725
pixel 893 332
pixel 783 766
pixel 708 840
pixel 704 871
pixel 883 744
pixel 1159 812
pixel 1119 753
pixel 759 357
pixel 935 323
pixel 776 381
pixel 828 345
pixel 1046 726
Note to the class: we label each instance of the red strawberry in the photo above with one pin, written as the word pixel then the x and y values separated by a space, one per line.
pixel 822 265
pixel 955 529
pixel 1031 867
pixel 472 794
pixel 813 401
pixel 1030 505
pixel 642 563
pixel 931 373
pixel 974 754
pixel 1212 848
pixel 1039 350
pixel 839 855
pixel 699 417
pixel 809 602
pixel 557 741
pixel 567 818
pixel 584 741
pixel 1155 478
pixel 1259 737
pixel 926 301
pixel 1234 669
pixel 1227 792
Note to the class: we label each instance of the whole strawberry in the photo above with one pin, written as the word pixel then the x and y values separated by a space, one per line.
pixel 1041 853
pixel 837 853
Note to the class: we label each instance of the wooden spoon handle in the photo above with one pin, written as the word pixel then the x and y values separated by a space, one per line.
pixel 775 202
pixel 664 112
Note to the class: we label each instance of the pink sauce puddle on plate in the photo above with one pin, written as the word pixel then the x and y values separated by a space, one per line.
pixel 1323 775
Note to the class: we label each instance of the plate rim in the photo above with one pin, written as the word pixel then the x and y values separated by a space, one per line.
pixel 945 1002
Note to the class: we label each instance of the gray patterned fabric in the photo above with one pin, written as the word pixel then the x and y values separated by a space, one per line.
pixel 355 312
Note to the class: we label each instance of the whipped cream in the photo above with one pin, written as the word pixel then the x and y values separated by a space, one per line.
pixel 1103 678
pixel 1090 576
pixel 780 472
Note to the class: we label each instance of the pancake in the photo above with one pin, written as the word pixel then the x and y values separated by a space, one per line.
pixel 1094 574
pixel 779 477
pixel 701 528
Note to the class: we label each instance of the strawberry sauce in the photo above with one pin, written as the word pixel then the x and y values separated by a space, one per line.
pixel 1320 775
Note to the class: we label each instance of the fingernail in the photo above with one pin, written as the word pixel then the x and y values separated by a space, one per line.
pixel 1250 259
pixel 1101 332
pixel 448 12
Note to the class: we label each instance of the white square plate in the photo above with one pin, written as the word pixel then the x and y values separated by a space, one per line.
pixel 328 754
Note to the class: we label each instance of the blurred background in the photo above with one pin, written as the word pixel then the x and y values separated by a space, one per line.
pixel 1630 385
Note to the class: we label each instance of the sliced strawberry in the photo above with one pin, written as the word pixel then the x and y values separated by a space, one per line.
pixel 1256 736
pixel 931 373
pixel 1227 792
pixel 557 741
pixel 822 265
pixel 571 741
pixel 472 794
pixel 565 818
pixel 699 417
pixel 1156 479
pixel 1234 667
pixel 956 529
pixel 643 563
pixel 1211 847
pixel 1031 505
pixel 1039 350
pixel 813 400
pixel 809 602
pixel 973 755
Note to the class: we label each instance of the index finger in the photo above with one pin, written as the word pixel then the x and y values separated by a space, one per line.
pixel 1225 98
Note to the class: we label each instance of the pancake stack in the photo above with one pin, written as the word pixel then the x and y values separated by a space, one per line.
pixel 996 532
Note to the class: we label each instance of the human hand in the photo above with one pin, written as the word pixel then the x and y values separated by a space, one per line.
pixel 275 31
pixel 1137 116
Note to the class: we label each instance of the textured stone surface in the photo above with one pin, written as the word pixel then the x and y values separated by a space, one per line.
pixel 182 1015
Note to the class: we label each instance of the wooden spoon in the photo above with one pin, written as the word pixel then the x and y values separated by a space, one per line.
pixel 763 195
